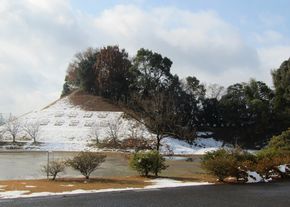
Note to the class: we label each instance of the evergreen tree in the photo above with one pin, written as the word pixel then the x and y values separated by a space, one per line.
pixel 281 80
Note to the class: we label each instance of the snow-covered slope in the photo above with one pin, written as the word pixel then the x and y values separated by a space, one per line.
pixel 66 127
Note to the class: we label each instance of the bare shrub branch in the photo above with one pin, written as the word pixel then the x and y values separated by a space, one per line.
pixel 113 131
pixel 54 168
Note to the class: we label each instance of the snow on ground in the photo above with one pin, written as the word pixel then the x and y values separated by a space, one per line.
pixel 283 168
pixel 254 177
pixel 30 186
pixel 156 183
pixel 65 127
pixel 13 194
pixel 200 146
pixel 169 183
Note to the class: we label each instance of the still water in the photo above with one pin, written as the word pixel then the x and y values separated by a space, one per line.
pixel 28 165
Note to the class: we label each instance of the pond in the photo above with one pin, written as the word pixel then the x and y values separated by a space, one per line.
pixel 28 165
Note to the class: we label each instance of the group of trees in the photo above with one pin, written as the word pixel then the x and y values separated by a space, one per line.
pixel 87 162
pixel 247 113
pixel 13 127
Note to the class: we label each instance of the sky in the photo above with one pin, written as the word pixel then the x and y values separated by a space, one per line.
pixel 218 41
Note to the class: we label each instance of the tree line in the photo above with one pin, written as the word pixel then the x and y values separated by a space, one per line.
pixel 244 113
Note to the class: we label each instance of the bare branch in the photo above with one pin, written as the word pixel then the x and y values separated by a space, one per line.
pixel 33 130
pixel 113 131
pixel 54 168
pixel 13 126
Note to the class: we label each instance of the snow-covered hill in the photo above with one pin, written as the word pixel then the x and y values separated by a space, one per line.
pixel 66 127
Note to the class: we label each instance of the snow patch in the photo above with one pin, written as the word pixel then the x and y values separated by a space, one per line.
pixel 254 177
pixel 13 194
pixel 283 168
pixel 169 183
pixel 157 183
pixel 30 186
pixel 199 146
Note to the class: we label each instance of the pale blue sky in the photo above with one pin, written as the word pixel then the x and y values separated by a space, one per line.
pixel 218 41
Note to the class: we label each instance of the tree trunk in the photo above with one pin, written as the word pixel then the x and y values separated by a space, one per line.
pixel 14 138
pixel 158 142
pixel 54 176
pixel 87 177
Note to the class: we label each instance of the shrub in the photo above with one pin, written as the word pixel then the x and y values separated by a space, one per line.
pixel 146 162
pixel 278 146
pixel 281 142
pixel 86 162
pixel 268 165
pixel 158 162
pixel 53 168
pixel 276 153
pixel 224 163
pixel 220 163
pixel 141 163
pixel 109 143
pixel 135 143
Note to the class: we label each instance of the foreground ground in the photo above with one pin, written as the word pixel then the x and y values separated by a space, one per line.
pixel 21 178
pixel 270 194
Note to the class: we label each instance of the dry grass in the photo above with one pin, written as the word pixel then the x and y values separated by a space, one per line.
pixel 187 171
pixel 92 103
pixel 70 184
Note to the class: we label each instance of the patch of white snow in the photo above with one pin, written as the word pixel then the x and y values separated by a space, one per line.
pixel 254 177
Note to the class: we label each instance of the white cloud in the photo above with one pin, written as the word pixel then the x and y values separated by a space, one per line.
pixel 38 38
pixel 197 43
pixel 272 59
pixel 34 52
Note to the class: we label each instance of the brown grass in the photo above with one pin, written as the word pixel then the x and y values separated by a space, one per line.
pixel 70 184
pixel 92 103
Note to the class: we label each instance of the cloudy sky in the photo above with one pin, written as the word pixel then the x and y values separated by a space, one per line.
pixel 218 41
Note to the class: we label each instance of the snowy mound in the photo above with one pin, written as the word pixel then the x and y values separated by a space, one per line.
pixel 64 126
pixel 67 127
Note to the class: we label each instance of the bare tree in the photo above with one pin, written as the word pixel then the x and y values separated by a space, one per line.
pixel 215 91
pixel 53 168
pixel 2 120
pixel 33 130
pixel 188 133
pixel 95 132
pixel 2 129
pixel 113 131
pixel 13 127
pixel 157 115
